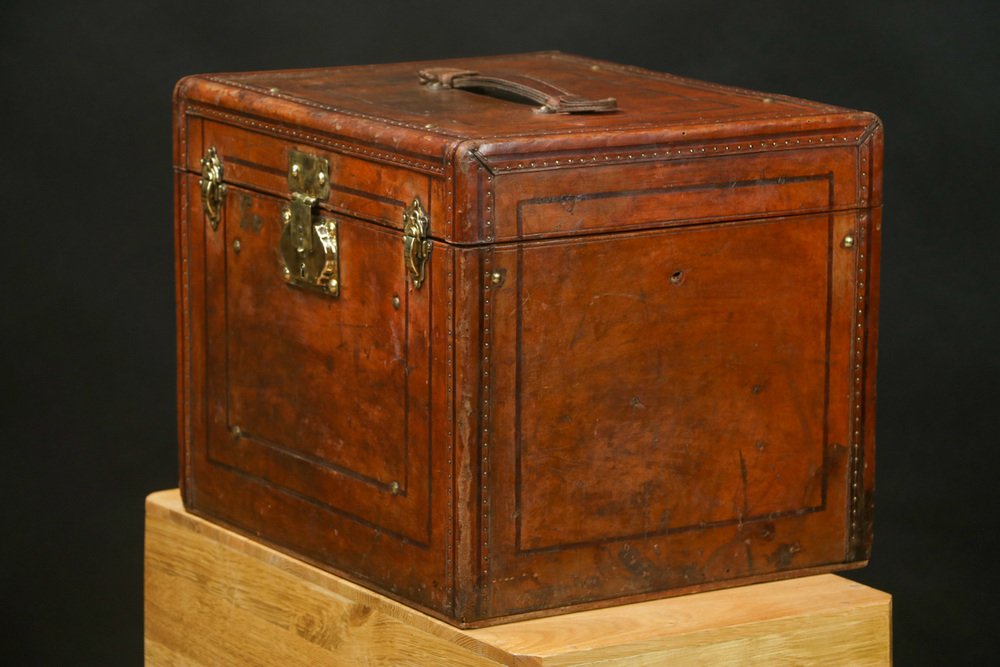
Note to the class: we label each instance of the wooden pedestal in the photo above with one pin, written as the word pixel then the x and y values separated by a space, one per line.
pixel 217 598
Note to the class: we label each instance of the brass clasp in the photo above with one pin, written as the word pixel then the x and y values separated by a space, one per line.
pixel 416 247
pixel 308 241
pixel 213 190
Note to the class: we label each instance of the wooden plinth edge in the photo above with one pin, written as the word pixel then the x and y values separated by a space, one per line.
pixel 213 597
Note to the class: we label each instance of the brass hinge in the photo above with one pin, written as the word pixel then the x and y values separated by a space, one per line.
pixel 416 247
pixel 213 190
pixel 308 241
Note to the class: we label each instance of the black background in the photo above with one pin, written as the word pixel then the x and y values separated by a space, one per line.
pixel 88 424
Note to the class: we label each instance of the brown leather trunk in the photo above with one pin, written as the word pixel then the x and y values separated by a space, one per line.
pixel 638 361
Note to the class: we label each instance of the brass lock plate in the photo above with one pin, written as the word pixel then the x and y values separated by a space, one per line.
pixel 308 242
pixel 310 252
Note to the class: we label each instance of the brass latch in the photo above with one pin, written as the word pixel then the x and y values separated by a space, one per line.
pixel 213 190
pixel 308 241
pixel 416 247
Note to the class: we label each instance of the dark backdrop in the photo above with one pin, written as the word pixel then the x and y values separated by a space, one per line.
pixel 88 423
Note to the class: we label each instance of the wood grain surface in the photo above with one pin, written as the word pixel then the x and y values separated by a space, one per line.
pixel 213 597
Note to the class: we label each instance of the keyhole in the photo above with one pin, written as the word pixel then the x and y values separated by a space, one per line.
pixel 677 277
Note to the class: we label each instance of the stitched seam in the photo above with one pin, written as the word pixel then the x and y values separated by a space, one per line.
pixel 383 156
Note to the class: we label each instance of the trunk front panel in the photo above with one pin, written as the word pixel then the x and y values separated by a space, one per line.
pixel 317 394
pixel 308 417
pixel 670 408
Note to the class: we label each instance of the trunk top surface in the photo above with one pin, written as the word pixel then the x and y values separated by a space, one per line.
pixel 428 120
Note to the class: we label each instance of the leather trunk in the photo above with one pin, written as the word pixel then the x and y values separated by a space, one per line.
pixel 499 361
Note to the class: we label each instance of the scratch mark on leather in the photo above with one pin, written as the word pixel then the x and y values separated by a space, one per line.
pixel 745 511
pixel 634 562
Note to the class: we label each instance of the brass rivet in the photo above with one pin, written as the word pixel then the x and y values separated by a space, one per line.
pixel 296 169
pixel 767 100
pixel 321 176
pixel 272 90
pixel 394 488
pixel 236 245
pixel 395 301
pixel 332 285
pixel 236 431
pixel 496 277
pixel 848 241
pixel 286 215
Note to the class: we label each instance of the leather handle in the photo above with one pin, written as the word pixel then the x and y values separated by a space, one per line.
pixel 550 98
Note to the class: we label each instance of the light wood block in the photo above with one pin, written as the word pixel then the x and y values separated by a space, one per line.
pixel 217 598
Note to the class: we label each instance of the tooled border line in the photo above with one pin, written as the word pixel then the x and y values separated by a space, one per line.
pixel 500 163
pixel 239 119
